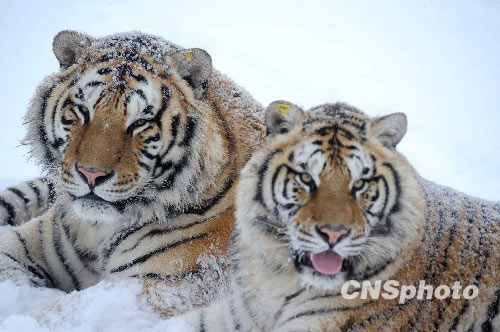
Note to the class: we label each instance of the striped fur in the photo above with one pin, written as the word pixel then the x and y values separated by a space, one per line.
pixel 420 231
pixel 169 134
pixel 24 201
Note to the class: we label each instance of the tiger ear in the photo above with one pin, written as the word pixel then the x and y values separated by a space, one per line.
pixel 281 116
pixel 67 46
pixel 390 129
pixel 195 66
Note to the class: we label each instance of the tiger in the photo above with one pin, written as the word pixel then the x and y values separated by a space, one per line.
pixel 327 201
pixel 142 142
pixel 24 201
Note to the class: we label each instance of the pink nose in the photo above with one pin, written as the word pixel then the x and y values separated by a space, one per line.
pixel 333 236
pixel 91 175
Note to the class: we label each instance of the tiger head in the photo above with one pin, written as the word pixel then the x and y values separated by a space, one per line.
pixel 125 121
pixel 331 186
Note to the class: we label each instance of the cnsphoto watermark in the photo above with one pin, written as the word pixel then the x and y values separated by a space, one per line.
pixel 392 289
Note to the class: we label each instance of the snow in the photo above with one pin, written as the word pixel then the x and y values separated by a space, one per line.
pixel 107 306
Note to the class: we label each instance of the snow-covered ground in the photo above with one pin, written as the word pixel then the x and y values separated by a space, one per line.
pixel 108 306
pixel 435 60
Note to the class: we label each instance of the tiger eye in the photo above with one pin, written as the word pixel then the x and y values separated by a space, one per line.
pixel 305 177
pixel 359 183
pixel 139 123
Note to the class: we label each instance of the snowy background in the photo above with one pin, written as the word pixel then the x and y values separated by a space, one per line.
pixel 436 60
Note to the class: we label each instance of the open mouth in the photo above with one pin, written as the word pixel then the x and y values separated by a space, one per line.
pixel 327 262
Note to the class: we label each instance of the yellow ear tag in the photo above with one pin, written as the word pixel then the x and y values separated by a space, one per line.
pixel 188 54
pixel 284 108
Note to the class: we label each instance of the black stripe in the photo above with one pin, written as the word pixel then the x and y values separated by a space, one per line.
pixel 104 71
pixel 139 78
pixel 395 175
pixel 67 102
pixel 288 298
pixel 173 134
pixel 211 202
pixel 143 258
pixel 74 81
pixel 56 242
pixel 148 110
pixel 491 313
pixel 165 98
pixel 51 191
pixel 323 311
pixel 29 267
pixel 11 214
pixel 189 131
pixel 83 255
pixel 325 296
pixel 19 194
pixel 244 299
pixel 123 236
pixel 95 83
pixel 32 281
pixel 361 128
pixel 285 184
pixel 98 100
pixel 42 252
pixel 349 326
pixel 380 228
pixel 444 264
pixel 236 320
pixel 227 131
pixel 168 183
pixel 141 94
pixel 84 113
pixel 35 189
pixel 41 126
pixel 11 257
pixel 259 197
pixel 146 154
pixel 27 254
pixel 120 206
pixel 202 321
pixel 145 166
pixel 170 277
pixel 477 278
pixel 34 271
pixel 154 138
pixel 53 122
pixel 158 232
pixel 267 226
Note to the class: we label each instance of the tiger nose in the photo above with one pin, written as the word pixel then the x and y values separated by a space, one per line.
pixel 331 234
pixel 93 176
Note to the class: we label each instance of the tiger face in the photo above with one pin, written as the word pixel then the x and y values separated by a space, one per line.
pixel 118 124
pixel 336 190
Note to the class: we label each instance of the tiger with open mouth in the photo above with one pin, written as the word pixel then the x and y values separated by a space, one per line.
pixel 328 200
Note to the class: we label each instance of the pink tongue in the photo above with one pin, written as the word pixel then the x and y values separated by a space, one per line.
pixel 327 262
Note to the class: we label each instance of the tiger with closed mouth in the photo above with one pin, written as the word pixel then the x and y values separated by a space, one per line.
pixel 142 143
pixel 329 199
